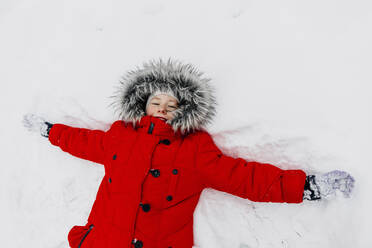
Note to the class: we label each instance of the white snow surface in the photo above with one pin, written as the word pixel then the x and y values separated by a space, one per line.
pixel 293 89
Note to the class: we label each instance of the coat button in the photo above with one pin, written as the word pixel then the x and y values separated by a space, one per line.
pixel 175 171
pixel 114 157
pixel 137 243
pixel 165 141
pixel 145 207
pixel 169 198
pixel 155 173
pixel 109 180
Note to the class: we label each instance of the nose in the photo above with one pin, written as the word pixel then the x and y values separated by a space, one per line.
pixel 162 110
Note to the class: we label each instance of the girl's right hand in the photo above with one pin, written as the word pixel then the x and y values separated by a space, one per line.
pixel 36 123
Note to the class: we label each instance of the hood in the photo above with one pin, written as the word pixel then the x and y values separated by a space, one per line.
pixel 197 103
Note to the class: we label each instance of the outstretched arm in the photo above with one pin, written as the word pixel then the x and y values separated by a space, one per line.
pixel 256 181
pixel 80 142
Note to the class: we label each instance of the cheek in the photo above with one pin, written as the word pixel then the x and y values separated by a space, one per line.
pixel 149 110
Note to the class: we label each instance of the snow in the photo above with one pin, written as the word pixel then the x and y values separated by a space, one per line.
pixel 292 80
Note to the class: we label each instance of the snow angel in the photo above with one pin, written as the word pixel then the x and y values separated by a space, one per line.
pixel 158 158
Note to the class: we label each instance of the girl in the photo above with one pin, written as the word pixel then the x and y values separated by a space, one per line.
pixel 158 158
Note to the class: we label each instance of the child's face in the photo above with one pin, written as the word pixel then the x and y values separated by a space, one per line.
pixel 162 106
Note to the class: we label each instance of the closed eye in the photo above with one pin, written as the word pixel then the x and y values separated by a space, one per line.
pixel 168 106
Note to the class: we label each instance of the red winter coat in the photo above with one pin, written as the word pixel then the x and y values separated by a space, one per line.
pixel 153 180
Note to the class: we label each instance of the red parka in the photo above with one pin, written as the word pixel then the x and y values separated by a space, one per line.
pixel 153 180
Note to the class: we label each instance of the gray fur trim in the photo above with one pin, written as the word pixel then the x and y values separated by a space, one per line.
pixel 197 105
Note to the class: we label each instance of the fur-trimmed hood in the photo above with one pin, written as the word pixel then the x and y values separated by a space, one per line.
pixel 197 103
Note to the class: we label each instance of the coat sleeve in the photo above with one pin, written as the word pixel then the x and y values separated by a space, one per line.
pixel 255 181
pixel 80 142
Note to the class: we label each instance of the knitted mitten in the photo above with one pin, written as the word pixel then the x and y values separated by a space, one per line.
pixel 36 123
pixel 325 185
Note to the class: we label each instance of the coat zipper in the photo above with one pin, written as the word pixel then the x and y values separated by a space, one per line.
pixel 151 128
pixel 86 234
pixel 135 217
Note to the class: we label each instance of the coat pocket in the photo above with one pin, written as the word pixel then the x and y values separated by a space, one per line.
pixel 85 235
pixel 78 234
pixel 184 185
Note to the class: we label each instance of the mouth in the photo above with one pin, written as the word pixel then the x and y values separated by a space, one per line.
pixel 162 118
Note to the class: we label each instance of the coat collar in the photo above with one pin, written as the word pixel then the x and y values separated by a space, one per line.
pixel 156 126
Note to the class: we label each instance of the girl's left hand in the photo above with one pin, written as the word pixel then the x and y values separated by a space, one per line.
pixel 326 185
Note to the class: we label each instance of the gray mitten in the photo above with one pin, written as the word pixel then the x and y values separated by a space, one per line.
pixel 36 123
pixel 325 185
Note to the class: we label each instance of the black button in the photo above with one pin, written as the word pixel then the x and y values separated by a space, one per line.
pixel 145 207
pixel 114 157
pixel 169 198
pixel 155 173
pixel 175 171
pixel 165 141
pixel 110 180
pixel 138 244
